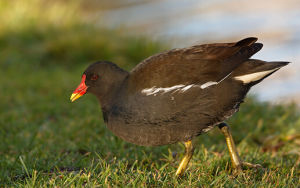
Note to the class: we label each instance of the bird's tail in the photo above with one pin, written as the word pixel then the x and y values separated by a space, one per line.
pixel 254 71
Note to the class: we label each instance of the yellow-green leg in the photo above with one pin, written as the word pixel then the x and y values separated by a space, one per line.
pixel 236 161
pixel 189 150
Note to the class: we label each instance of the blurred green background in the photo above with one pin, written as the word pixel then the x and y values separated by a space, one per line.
pixel 48 141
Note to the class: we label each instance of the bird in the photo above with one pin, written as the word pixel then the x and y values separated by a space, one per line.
pixel 177 95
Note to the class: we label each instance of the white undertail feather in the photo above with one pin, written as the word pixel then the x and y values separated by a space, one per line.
pixel 248 78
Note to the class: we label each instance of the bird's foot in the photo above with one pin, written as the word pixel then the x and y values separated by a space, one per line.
pixel 237 163
pixel 250 165
pixel 239 168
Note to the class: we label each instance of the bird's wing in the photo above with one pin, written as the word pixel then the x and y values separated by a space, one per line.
pixel 199 64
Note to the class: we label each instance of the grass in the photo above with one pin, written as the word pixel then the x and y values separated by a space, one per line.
pixel 48 141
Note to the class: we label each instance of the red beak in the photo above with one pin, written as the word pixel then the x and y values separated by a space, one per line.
pixel 80 90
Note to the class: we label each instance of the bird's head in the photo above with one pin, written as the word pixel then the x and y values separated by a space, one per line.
pixel 99 78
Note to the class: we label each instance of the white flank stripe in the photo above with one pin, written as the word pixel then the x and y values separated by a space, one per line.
pixel 187 87
pixel 210 83
pixel 207 84
pixel 248 78
pixel 182 88
pixel 154 90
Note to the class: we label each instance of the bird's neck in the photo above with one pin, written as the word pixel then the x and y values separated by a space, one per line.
pixel 113 90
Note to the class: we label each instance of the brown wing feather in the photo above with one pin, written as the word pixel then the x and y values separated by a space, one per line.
pixel 197 64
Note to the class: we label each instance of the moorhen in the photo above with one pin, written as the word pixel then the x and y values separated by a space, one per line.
pixel 179 94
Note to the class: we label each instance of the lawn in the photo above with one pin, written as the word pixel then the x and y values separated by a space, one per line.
pixel 48 141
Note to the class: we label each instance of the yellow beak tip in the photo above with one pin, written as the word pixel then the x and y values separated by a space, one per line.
pixel 74 96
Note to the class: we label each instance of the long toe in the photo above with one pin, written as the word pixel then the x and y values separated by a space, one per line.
pixel 239 169
pixel 250 165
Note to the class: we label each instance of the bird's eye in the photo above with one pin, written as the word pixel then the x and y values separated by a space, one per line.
pixel 94 77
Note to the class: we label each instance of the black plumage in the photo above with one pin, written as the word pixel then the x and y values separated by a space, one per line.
pixel 176 95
